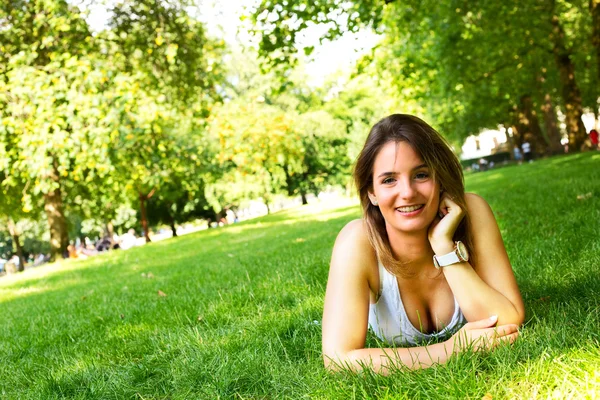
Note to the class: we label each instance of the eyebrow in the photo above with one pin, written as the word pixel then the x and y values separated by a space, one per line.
pixel 394 173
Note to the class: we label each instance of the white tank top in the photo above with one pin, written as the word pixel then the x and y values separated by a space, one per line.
pixel 388 319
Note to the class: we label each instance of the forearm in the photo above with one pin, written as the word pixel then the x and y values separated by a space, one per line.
pixel 383 361
pixel 477 300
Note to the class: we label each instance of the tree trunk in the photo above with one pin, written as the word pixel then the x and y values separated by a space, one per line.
pixel 510 140
pixel 303 196
pixel 516 135
pixel 144 217
pixel 550 121
pixel 14 233
pixel 595 11
pixel 172 225
pixel 59 235
pixel 570 91
pixel 529 120
pixel 110 229
pixel 110 233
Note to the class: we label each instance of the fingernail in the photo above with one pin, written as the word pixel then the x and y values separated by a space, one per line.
pixel 494 318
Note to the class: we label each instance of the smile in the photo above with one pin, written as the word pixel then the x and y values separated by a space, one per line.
pixel 409 209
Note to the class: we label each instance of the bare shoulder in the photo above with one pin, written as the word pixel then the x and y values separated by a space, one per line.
pixel 486 234
pixel 475 202
pixel 354 233
pixel 478 208
pixel 352 247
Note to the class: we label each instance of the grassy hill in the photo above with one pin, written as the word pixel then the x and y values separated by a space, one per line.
pixel 235 312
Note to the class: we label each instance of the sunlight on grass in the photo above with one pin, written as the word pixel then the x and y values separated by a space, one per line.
pixel 241 308
pixel 11 294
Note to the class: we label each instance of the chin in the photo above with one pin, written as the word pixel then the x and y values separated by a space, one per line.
pixel 413 225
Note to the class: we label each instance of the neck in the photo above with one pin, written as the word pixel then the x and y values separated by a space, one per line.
pixel 413 249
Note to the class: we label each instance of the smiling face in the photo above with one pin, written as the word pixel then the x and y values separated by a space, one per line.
pixel 404 189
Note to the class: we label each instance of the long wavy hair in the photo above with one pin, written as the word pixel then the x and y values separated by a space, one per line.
pixel 439 158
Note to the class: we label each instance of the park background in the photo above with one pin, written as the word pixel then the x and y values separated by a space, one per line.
pixel 148 114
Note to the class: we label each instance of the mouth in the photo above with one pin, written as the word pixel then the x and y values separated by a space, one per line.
pixel 410 210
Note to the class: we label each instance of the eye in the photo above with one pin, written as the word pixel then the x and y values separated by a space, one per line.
pixel 421 176
pixel 389 180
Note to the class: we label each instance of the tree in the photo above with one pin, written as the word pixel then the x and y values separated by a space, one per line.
pixel 324 156
pixel 469 64
pixel 55 133
pixel 48 89
pixel 175 205
pixel 256 139
pixel 11 211
pixel 166 85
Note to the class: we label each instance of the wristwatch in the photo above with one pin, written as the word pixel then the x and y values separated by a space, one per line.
pixel 460 254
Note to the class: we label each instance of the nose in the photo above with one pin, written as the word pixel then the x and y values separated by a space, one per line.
pixel 406 188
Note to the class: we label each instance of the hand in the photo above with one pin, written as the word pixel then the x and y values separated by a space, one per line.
pixel 441 230
pixel 482 335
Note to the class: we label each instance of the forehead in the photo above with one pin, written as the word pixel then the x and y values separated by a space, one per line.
pixel 396 157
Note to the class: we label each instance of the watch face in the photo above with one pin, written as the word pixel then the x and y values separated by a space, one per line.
pixel 462 251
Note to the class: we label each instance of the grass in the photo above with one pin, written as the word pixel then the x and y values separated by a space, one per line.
pixel 241 315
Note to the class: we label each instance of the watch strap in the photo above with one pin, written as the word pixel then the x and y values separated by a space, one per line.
pixel 448 259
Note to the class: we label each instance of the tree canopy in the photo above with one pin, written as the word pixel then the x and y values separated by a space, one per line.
pixel 471 65
pixel 152 121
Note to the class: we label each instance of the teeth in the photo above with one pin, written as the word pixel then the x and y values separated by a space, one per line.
pixel 409 208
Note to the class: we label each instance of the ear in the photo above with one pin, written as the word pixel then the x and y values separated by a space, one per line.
pixel 373 199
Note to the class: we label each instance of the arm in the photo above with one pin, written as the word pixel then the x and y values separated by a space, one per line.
pixel 345 316
pixel 489 287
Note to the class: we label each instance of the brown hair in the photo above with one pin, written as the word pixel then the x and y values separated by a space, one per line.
pixel 439 158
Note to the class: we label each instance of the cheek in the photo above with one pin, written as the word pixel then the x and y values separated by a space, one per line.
pixel 434 195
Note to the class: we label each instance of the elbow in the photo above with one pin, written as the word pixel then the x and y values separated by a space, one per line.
pixel 332 361
pixel 517 317
pixel 336 361
pixel 520 314
pixel 329 364
pixel 520 318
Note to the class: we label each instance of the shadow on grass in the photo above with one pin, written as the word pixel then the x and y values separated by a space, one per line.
pixel 241 301
pixel 204 276
pixel 211 244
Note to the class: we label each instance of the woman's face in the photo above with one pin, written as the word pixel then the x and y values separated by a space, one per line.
pixel 402 187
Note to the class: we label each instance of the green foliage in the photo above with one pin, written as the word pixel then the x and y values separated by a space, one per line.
pixel 174 204
pixel 161 40
pixel 256 140
pixel 241 315
pixel 98 120
pixel 52 115
pixel 279 23
pixel 41 30
pixel 467 64
pixel 325 155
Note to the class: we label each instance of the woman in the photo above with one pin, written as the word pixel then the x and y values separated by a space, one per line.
pixel 425 259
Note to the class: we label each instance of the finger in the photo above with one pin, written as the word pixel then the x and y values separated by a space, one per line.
pixel 443 206
pixel 508 329
pixel 507 339
pixel 482 323
pixel 448 205
pixel 449 200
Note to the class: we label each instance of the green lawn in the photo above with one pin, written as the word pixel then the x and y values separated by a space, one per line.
pixel 241 315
